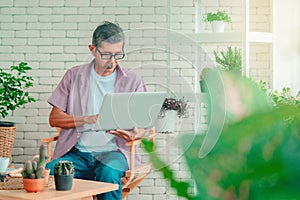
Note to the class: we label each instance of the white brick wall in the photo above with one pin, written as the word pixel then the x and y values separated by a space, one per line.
pixel 52 36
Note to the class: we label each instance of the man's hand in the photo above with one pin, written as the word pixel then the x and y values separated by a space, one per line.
pixel 133 134
pixel 91 119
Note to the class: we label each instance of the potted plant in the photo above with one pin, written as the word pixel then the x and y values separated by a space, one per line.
pixel 63 175
pixel 34 171
pixel 170 110
pixel 217 19
pixel 13 94
pixel 229 60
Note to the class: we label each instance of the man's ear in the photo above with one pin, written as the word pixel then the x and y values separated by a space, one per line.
pixel 92 49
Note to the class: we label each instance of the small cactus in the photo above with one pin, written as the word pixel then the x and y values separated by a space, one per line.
pixel 35 168
pixel 64 167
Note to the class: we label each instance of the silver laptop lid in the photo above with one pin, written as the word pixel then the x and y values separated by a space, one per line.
pixel 128 110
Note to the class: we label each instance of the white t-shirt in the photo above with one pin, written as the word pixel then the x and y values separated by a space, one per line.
pixel 97 141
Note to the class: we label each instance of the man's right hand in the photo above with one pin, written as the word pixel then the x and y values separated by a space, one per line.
pixel 92 119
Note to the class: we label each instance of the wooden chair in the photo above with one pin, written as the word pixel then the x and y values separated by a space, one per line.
pixel 132 177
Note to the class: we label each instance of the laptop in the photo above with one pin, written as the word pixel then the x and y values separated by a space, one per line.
pixel 128 110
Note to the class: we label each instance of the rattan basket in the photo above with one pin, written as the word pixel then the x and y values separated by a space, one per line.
pixel 7 137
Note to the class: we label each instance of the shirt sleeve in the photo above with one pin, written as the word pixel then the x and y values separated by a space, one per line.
pixel 60 95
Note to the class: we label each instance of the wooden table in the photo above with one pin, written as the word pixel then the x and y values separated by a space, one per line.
pixel 82 189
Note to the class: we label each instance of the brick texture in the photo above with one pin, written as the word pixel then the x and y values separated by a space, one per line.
pixel 52 36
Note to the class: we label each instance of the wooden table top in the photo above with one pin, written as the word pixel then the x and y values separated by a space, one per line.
pixel 82 189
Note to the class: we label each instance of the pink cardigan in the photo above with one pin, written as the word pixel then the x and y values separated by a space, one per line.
pixel 71 96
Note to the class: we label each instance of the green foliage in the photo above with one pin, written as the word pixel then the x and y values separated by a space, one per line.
pixel 13 88
pixel 217 16
pixel 256 155
pixel 64 167
pixel 35 168
pixel 229 60
pixel 285 97
pixel 279 98
pixel 181 187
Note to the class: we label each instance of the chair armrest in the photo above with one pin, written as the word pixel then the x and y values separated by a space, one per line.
pixel 50 139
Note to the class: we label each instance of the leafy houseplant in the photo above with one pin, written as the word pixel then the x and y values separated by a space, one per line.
pixel 13 88
pixel 170 110
pixel 229 60
pixel 218 19
pixel 63 175
pixel 34 171
pixel 217 16
pixel 178 105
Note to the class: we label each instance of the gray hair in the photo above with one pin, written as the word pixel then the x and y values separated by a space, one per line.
pixel 108 32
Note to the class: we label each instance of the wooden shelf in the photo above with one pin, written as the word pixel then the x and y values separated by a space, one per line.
pixel 263 37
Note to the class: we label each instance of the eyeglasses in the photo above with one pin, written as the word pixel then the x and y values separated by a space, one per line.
pixel 108 56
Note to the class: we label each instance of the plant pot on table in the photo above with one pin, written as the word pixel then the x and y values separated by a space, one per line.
pixel 34 185
pixel 63 181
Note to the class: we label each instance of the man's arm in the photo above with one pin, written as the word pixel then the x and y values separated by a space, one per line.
pixel 59 118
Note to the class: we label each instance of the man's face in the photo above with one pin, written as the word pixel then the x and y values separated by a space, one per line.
pixel 106 56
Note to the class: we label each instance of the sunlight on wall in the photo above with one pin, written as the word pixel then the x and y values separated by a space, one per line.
pixel 287 49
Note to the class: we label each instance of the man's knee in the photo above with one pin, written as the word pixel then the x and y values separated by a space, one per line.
pixel 108 174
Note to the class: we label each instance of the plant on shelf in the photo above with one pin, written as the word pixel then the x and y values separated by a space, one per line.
pixel 34 171
pixel 218 20
pixel 217 16
pixel 13 88
pixel 170 110
pixel 229 60
pixel 63 175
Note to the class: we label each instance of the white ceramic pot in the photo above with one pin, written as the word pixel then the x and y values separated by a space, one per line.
pixel 3 164
pixel 167 124
pixel 218 26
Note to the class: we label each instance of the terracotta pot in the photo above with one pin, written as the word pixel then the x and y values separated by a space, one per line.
pixel 33 185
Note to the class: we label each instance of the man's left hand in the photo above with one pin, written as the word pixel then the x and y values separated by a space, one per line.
pixel 129 135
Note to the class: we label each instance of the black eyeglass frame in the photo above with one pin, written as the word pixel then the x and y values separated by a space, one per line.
pixel 109 55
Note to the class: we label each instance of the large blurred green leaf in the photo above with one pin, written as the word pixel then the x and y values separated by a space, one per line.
pixel 254 156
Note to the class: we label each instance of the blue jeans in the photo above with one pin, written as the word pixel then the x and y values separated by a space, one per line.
pixel 107 167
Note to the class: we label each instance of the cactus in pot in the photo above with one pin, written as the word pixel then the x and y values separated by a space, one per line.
pixel 34 171
pixel 64 167
pixel 63 175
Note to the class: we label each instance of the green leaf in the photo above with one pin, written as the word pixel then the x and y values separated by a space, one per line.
pixel 13 87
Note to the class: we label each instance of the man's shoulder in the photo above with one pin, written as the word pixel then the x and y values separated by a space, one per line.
pixel 79 69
